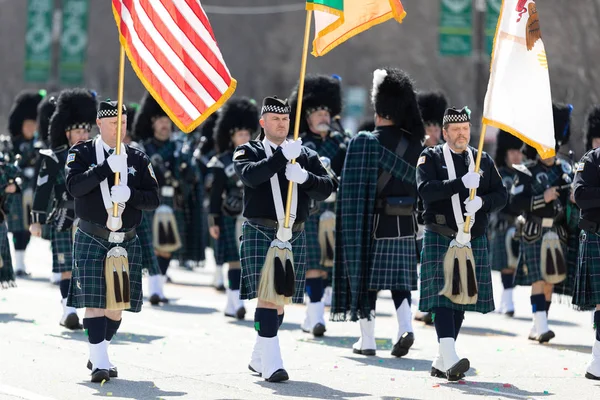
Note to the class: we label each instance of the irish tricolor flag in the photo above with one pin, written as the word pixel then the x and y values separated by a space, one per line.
pixel 338 20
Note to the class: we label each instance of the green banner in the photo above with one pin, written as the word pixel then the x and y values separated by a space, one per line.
pixel 73 41
pixel 491 20
pixel 38 41
pixel 456 27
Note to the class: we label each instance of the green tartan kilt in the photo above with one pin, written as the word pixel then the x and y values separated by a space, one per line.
pixel 498 256
pixel 529 269
pixel 435 247
pixel 227 246
pixel 149 260
pixel 47 232
pixel 62 251
pixel 394 264
pixel 7 275
pixel 88 285
pixel 586 293
pixel 313 247
pixel 256 241
pixel 567 286
pixel 14 215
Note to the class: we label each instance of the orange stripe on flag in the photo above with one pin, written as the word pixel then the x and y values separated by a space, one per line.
pixel 172 50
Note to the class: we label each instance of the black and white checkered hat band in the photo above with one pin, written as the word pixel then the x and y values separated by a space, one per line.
pixel 269 108
pixel 108 113
pixel 82 125
pixel 456 118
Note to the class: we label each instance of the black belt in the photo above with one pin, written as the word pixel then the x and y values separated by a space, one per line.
pixel 269 223
pixel 589 226
pixel 443 230
pixel 103 233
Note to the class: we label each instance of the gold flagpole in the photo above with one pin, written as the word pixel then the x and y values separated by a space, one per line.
pixel 477 165
pixel 288 204
pixel 119 117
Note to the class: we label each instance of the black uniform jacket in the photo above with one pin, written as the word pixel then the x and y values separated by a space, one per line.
pixel 436 189
pixel 255 171
pixel 84 175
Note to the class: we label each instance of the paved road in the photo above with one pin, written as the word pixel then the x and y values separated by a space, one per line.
pixel 188 350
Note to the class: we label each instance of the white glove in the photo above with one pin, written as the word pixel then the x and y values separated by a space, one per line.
pixel 120 193
pixel 292 149
pixel 295 173
pixel 472 206
pixel 471 180
pixel 117 163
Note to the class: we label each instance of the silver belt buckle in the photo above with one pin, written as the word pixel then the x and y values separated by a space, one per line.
pixel 116 237
pixel 547 222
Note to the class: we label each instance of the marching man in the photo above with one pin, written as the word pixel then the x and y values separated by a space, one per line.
pixel 265 169
pixel 107 256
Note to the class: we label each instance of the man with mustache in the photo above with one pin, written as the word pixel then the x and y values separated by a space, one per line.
pixel 445 175
pixel 322 100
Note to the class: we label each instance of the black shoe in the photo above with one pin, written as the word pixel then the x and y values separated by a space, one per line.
pixel 113 373
pixel 72 322
pixel 436 373
pixel 545 337
pixel 164 300
pixel 100 375
pixel 278 376
pixel 253 370
pixel 319 330
pixel 365 352
pixel 510 314
pixel 240 313
pixel 426 318
pixel 154 299
pixel 404 344
pixel 220 288
pixel 590 376
pixel 457 371
pixel 22 274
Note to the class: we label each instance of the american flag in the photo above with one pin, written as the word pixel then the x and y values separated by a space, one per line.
pixel 173 50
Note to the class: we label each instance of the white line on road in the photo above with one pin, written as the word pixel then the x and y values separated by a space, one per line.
pixel 22 393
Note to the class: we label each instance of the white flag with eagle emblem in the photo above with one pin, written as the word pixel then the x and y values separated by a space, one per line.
pixel 518 98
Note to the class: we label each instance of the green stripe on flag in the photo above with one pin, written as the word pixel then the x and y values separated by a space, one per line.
pixel 333 6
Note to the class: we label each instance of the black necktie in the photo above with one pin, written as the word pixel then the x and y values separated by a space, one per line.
pixel 111 151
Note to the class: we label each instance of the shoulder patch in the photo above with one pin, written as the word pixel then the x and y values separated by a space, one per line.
pixel 70 158
pixel 238 154
pixel 579 166
pixel 421 160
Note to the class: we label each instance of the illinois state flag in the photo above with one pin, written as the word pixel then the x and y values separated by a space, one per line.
pixel 338 20
pixel 518 98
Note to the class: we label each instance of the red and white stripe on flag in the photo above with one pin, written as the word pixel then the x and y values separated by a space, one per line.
pixel 173 51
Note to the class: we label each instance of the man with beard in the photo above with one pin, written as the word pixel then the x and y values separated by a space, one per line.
pixel 322 100
pixel 22 126
pixel 445 175
pixel 376 226
pixel 70 124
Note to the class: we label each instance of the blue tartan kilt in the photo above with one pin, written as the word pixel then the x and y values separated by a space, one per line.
pixel 435 247
pixel 498 255
pixel 149 260
pixel 586 293
pixel 256 241
pixel 88 285
pixel 529 269
pixel 62 251
pixel 313 247
pixel 227 246
pixel 394 264
pixel 14 215
pixel 7 275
